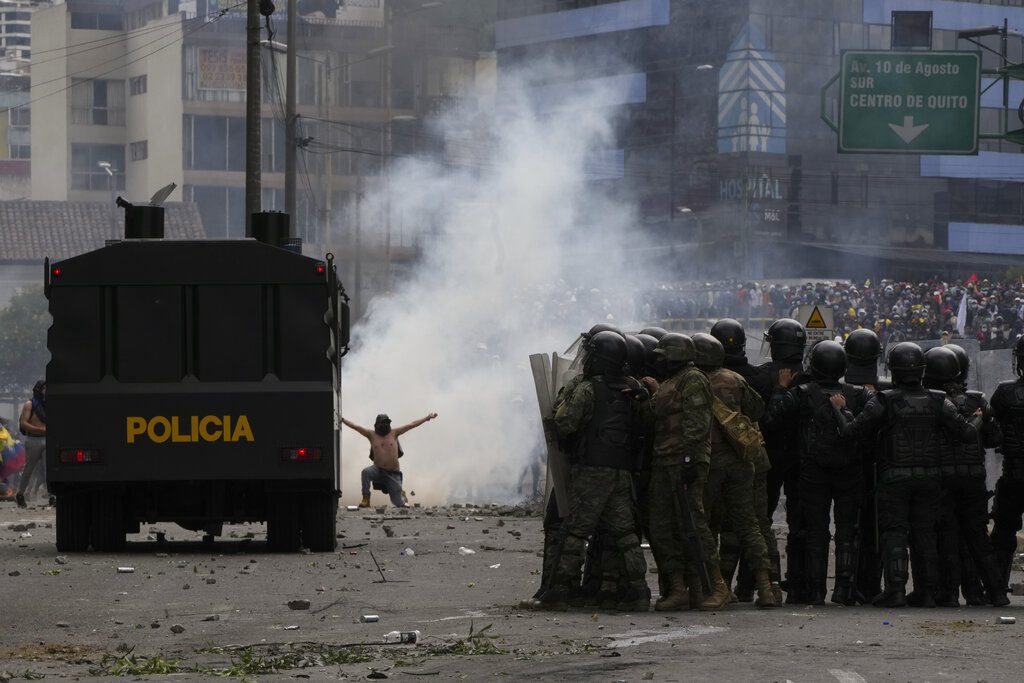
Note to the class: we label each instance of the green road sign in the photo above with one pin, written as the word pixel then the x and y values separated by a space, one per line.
pixel 909 102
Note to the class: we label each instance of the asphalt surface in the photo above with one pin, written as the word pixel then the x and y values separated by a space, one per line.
pixel 191 611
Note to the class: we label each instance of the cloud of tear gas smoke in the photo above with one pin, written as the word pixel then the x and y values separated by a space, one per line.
pixel 521 257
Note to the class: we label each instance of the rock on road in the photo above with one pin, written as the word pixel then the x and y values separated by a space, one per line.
pixel 186 610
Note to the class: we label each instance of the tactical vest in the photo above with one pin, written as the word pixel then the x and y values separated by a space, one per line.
pixel 1008 405
pixel 911 436
pixel 609 439
pixel 782 439
pixel 964 459
pixel 820 441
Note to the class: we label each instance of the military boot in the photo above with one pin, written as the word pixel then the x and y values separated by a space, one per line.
pixel 720 594
pixel 776 575
pixel 555 599
pixel 992 578
pixel 365 502
pixel 765 594
pixel 842 592
pixel 634 599
pixel 897 571
pixel 677 598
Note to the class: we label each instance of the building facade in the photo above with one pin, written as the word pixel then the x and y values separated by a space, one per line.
pixel 156 94
pixel 721 145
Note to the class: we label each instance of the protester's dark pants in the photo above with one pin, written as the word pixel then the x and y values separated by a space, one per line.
pixel 785 473
pixel 1006 513
pixel 819 487
pixel 390 481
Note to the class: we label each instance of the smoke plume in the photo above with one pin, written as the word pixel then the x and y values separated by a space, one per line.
pixel 519 256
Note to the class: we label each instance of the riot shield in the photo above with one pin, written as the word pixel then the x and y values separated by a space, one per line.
pixel 558 465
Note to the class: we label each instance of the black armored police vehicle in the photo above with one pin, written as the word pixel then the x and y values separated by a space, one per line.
pixel 194 382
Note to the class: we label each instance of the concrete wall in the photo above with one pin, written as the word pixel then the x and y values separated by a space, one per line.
pixel 50 149
pixel 156 115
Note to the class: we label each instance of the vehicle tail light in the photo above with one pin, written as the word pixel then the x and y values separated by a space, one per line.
pixel 301 453
pixel 80 456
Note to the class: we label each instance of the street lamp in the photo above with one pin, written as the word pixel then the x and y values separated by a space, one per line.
pixel 106 166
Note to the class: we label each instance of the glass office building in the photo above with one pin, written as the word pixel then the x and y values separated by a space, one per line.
pixel 721 145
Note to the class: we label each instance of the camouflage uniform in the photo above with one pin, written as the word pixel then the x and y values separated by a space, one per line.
pixel 731 478
pixel 682 428
pixel 600 494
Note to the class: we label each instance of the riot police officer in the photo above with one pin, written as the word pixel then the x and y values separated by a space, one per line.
pixel 830 469
pixel 863 349
pixel 1008 409
pixel 908 462
pixel 734 340
pixel 964 504
pixel 601 422
pixel 552 519
pixel 787 339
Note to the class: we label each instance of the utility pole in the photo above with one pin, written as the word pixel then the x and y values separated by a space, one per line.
pixel 291 117
pixel 253 186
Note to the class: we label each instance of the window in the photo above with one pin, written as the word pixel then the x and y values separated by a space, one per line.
pixel 86 172
pixel 97 21
pixel 21 116
pixel 137 85
pixel 137 151
pixel 97 102
pixel 214 143
pixel 18 40
pixel 21 151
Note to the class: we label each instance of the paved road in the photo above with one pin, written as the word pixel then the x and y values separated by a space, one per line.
pixel 69 616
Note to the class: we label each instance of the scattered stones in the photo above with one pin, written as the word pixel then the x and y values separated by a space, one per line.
pixel 185 587
pixel 301 603
pixel 63 624
pixel 155 624
pixel 211 617
pixel 14 573
pixel 388 531
pixel 61 559
pixel 293 627
pixel 210 581
pixel 177 628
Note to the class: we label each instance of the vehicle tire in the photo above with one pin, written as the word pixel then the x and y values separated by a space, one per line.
pixel 283 528
pixel 320 522
pixel 72 522
pixel 107 521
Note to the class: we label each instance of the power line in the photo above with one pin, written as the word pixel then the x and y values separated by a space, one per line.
pixel 89 79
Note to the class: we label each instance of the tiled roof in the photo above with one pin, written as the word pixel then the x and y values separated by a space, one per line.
pixel 32 230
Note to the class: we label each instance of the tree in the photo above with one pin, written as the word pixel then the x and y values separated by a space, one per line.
pixel 23 354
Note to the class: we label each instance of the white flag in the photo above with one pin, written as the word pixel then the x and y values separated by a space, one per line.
pixel 961 315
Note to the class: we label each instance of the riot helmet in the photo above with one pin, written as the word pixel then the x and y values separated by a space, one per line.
pixel 1018 353
pixel 731 335
pixel 862 349
pixel 963 359
pixel 601 327
pixel 650 343
pixel 656 332
pixel 636 356
pixel 709 354
pixel 787 339
pixel 906 363
pixel 827 361
pixel 674 351
pixel 604 353
pixel 940 367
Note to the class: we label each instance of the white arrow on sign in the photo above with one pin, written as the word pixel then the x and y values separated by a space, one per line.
pixel 908 131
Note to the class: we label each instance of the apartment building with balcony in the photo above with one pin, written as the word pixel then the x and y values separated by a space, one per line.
pixel 154 93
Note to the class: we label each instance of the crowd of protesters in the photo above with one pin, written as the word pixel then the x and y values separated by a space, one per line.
pixel 993 310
